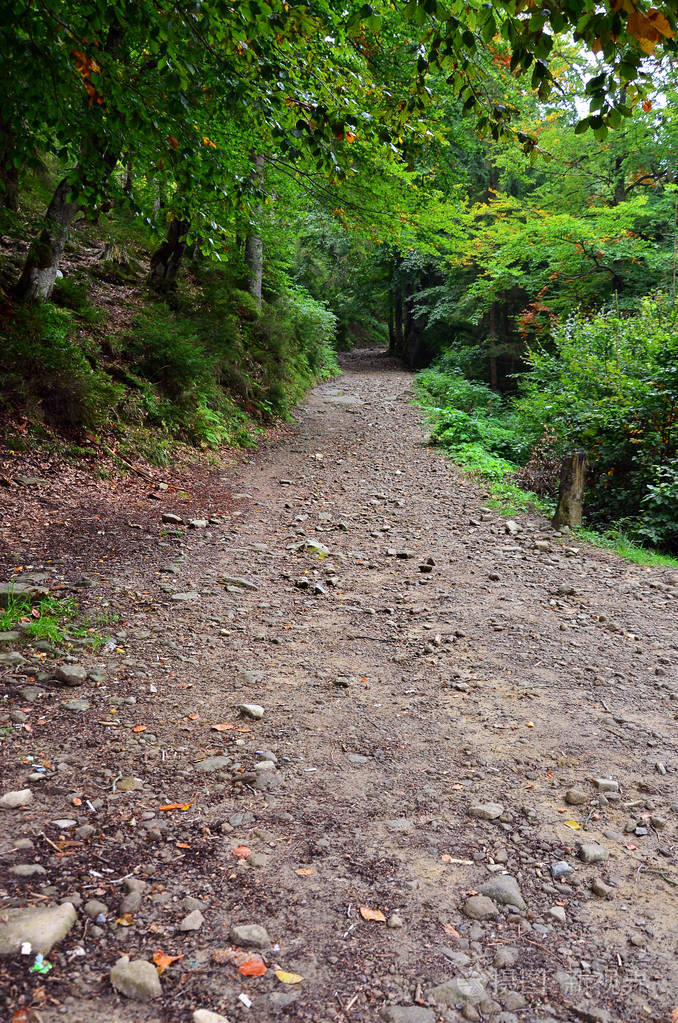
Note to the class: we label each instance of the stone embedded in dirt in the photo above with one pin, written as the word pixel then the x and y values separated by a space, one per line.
pixel 302 583
pixel 249 936
pixel 129 784
pixel 602 890
pixel 205 1016
pixel 13 800
pixel 41 926
pixel 171 519
pixel 542 545
pixel 592 853
pixel 77 705
pixel 486 811
pixel 9 637
pixel 407 1014
pixel 70 674
pixel 192 921
pixel 251 710
pixel 64 823
pixel 512 527
pixel 198 523
pixel 558 914
pixel 187 596
pixel 28 590
pixel 505 890
pixel 95 908
pixel 394 922
pixel 561 869
pixel 12 658
pixel 406 554
pixel 479 907
pixel 137 979
pixel 212 764
pixel 234 580
pixel 606 785
pixel 357 758
pixel 576 796
pixel 458 991
pixel 27 870
pixel 506 956
pixel 85 831
pixel 401 826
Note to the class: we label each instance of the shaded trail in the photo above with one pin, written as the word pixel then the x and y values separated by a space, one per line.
pixel 427 664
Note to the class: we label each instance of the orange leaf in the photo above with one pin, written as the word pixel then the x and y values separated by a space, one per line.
pixel 125 920
pixel 226 727
pixel 140 728
pixel 162 961
pixel 252 968
pixel 193 717
pixel 241 852
pixel 452 931
pixel 305 871
pixel 372 914
pixel 175 806
pixel 674 1015
pixel 183 845
pixel 76 801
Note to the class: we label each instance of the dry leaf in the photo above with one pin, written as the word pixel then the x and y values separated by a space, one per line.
pixel 574 825
pixel 175 806
pixel 193 717
pixel 241 852
pixel 140 728
pixel 162 961
pixel 372 914
pixel 674 1015
pixel 225 727
pixel 529 724
pixel 305 871
pixel 452 931
pixel 252 968
pixel 126 920
pixel 288 978
pixel 76 801
pixel 183 845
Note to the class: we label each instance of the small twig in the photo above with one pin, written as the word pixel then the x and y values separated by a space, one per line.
pixel 352 1002
pixel 49 840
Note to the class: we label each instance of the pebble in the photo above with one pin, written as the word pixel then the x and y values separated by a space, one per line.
pixel 171 518
pixel 77 705
pixel 41 926
pixel 65 823
pixel 205 1016
pixel 250 936
pixel 486 811
pixel 505 890
pixel 137 979
pixel 458 991
pixel 192 922
pixel 561 869
pixel 94 908
pixel 599 888
pixel 14 800
pixel 557 913
pixel 70 674
pixel 407 1014
pixel 27 870
pixel 198 523
pixel 188 596
pixel 506 956
pixel 212 764
pixel 129 784
pixel 575 797
pixel 606 785
pixel 251 710
pixel 479 907
pixel 357 759
pixel 394 922
pixel 592 853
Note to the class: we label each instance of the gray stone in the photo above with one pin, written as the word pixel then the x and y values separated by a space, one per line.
pixel 41 926
pixel 192 922
pixel 28 590
pixel 189 903
pixel 251 710
pixel 599 888
pixel 250 936
pixel 243 584
pixel 130 903
pixel 171 518
pixel 394 922
pixel 65 823
pixel 94 908
pixel 511 527
pixel 506 956
pixel 607 785
pixel 129 784
pixel 486 811
pixel 28 870
pixel 561 869
pixel 70 674
pixel 479 907
pixel 575 797
pixel 137 979
pixel 205 1016
pixel 592 853
pixel 78 705
pixel 505 890
pixel 407 1014
pixel 185 597
pixel 401 826
pixel 12 658
pixel 513 1000
pixel 85 831
pixel 198 524
pixel 357 758
pixel 458 992
pixel 213 764
pixel 9 637
pixel 13 800
pixel 558 914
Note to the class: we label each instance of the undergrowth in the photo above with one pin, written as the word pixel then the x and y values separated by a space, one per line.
pixel 58 622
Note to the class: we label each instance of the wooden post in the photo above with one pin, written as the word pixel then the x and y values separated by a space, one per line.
pixel 571 495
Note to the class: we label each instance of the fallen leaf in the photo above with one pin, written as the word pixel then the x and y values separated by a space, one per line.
pixel 76 801
pixel 175 806
pixel 574 825
pixel 631 846
pixel 125 920
pixel 452 931
pixel 305 871
pixel 162 961
pixel 252 968
pixel 446 858
pixel 225 727
pixel 288 978
pixel 674 1015
pixel 241 852
pixel 372 914
pixel 183 845
pixel 193 717
pixel 140 728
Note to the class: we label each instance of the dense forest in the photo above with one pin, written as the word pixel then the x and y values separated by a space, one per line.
pixel 201 202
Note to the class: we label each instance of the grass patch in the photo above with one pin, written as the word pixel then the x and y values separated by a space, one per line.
pixel 55 621
pixel 615 540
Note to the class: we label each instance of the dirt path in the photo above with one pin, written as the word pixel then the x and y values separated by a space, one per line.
pixel 432 687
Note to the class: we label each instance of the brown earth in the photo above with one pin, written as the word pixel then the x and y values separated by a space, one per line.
pixel 398 692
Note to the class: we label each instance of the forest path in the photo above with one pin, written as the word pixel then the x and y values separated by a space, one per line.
pixel 431 688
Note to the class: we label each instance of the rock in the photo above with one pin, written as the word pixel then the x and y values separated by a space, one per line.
pixel 85 831
pixel 606 785
pixel 13 800
pixel 575 797
pixel 205 1016
pixel 251 710
pixel 188 596
pixel 64 823
pixel 9 637
pixel 506 956
pixel 250 936
pixel 401 826
pixel 42 926
pixel 557 913
pixel 592 853
pixel 479 907
pixel 486 811
pixel 70 674
pixel 198 523
pixel 599 888
pixel 192 922
pixel 542 545
pixel 407 1014
pixel 458 992
pixel 171 519
pixel 405 554
pixel 189 903
pixel 28 590
pixel 561 869
pixel 511 527
pixel 212 764
pixel 357 758
pixel 243 584
pixel 94 908
pixel 27 870
pixel 79 705
pixel 505 890
pixel 137 979
pixel 394 922
pixel 129 784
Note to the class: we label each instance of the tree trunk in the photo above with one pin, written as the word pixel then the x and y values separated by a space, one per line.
pixel 494 376
pixel 391 322
pixel 571 496
pixel 166 260
pixel 9 175
pixel 42 262
pixel 254 243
